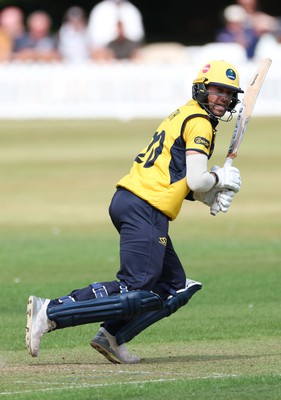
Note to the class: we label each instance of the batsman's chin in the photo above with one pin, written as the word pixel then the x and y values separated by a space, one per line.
pixel 219 111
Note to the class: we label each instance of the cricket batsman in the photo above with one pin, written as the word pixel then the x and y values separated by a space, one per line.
pixel 151 282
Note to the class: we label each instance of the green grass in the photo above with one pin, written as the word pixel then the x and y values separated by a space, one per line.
pixel 56 182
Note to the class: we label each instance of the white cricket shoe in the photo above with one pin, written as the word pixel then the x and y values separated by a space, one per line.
pixel 106 344
pixel 37 323
pixel 191 286
pixel 191 283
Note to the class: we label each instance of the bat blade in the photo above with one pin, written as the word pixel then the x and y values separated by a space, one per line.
pixel 247 106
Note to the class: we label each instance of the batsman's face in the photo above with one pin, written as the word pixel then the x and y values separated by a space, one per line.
pixel 219 98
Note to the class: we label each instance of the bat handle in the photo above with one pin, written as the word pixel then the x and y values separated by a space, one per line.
pixel 215 208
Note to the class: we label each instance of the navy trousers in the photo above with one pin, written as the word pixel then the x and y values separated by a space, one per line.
pixel 148 260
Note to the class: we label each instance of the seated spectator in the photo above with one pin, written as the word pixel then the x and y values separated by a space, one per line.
pixel 11 29
pixel 235 30
pixel 73 43
pixel 122 47
pixel 37 44
pixel 103 24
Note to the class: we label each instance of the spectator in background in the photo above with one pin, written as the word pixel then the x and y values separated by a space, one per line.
pixel 73 43
pixel 103 24
pixel 37 44
pixel 11 29
pixel 235 30
pixel 257 20
pixel 269 45
pixel 123 48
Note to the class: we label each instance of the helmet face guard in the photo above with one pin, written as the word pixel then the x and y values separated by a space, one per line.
pixel 216 73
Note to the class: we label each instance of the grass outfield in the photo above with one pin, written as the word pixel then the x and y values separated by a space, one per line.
pixel 56 182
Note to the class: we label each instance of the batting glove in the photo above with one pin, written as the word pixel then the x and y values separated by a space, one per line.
pixel 227 177
pixel 207 198
pixel 224 199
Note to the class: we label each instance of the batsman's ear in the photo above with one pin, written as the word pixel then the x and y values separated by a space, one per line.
pixel 199 90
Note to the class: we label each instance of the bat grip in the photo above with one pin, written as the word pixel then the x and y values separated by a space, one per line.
pixel 215 208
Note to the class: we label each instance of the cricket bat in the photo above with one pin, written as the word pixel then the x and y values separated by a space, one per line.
pixel 244 115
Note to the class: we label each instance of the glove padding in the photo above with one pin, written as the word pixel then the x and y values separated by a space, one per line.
pixel 224 199
pixel 228 177
pixel 207 198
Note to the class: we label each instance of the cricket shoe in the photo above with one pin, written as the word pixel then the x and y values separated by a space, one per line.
pixel 192 285
pixel 37 323
pixel 106 344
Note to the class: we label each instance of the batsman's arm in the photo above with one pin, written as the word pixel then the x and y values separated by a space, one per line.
pixel 197 175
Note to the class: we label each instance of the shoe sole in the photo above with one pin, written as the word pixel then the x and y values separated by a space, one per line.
pixel 30 310
pixel 109 356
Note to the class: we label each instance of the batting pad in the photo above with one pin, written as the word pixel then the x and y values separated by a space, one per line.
pixel 170 306
pixel 122 306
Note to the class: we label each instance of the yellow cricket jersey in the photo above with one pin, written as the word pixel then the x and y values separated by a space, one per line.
pixel 158 174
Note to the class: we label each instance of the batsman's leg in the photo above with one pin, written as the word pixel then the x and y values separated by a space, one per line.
pixel 141 261
pixel 44 315
pixel 172 272
pixel 171 305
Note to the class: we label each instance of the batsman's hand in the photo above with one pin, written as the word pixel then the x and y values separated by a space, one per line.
pixel 207 198
pixel 224 199
pixel 228 177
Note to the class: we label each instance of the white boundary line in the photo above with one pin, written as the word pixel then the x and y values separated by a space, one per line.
pixel 97 385
pixel 89 385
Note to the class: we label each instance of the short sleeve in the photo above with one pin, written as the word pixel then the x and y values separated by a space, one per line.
pixel 198 135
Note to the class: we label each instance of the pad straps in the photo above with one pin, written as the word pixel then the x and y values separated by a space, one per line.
pixel 99 290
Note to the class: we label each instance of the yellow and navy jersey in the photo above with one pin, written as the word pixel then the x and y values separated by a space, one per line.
pixel 158 174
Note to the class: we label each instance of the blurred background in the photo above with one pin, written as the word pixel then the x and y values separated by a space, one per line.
pixel 187 22
pixel 122 59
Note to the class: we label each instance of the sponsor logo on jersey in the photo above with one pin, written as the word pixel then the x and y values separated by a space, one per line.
pixel 174 114
pixel 163 241
pixel 201 140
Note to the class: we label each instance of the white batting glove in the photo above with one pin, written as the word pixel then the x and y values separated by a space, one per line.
pixel 228 177
pixel 224 199
pixel 207 198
